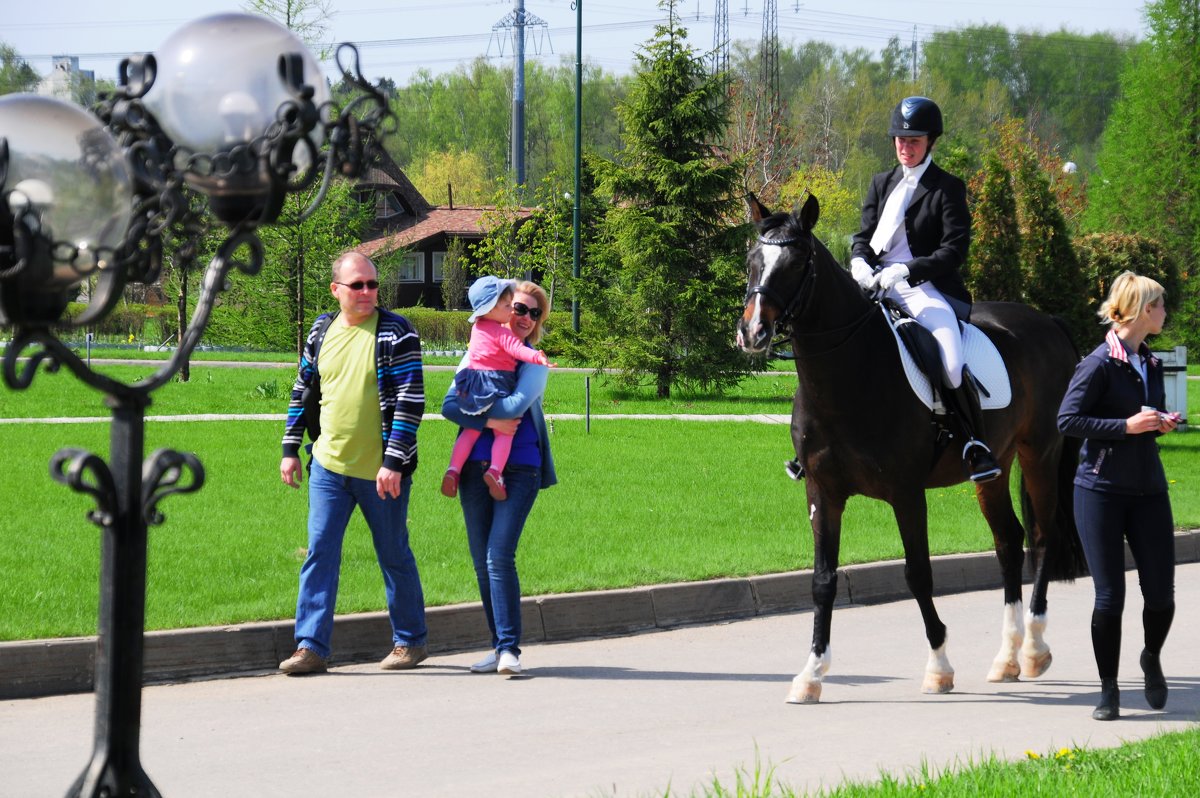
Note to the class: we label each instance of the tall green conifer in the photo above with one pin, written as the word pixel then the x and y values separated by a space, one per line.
pixel 664 289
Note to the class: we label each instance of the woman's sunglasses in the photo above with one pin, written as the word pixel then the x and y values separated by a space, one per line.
pixel 521 309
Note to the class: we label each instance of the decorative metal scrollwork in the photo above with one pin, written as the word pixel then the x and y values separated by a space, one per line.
pixel 165 472
pixel 72 467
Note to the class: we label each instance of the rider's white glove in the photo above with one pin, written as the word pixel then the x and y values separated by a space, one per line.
pixel 891 275
pixel 862 273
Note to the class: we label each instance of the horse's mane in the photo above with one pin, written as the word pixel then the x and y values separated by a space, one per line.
pixel 782 220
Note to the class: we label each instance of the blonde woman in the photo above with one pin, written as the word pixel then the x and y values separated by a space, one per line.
pixel 494 527
pixel 1115 402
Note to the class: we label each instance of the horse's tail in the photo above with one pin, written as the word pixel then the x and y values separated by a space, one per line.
pixel 1066 330
pixel 1064 553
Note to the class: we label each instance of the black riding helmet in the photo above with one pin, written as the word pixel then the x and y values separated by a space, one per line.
pixel 916 116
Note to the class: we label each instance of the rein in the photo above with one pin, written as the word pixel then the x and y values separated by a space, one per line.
pixel 791 307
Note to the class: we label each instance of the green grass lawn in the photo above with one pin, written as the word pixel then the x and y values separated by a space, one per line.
pixel 1164 765
pixel 640 502
pixel 265 389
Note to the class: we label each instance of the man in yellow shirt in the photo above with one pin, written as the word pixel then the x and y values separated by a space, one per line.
pixel 372 397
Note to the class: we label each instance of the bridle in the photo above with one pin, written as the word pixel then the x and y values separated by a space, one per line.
pixel 788 308
pixel 803 296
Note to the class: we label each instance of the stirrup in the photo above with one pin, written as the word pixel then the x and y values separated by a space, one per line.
pixel 794 469
pixel 971 444
pixel 977 471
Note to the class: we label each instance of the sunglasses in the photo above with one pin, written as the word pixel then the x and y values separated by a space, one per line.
pixel 359 285
pixel 521 309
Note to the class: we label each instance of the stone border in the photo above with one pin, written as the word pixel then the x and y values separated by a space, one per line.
pixel 30 669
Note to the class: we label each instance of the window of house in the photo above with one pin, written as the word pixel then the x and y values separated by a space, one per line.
pixel 411 269
pixel 387 205
pixel 439 258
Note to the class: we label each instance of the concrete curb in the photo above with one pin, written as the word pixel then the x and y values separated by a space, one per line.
pixel 36 668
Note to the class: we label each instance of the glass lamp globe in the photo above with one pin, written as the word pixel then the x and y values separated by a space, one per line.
pixel 68 182
pixel 218 85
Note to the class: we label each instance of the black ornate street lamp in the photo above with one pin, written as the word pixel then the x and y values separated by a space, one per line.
pixel 231 110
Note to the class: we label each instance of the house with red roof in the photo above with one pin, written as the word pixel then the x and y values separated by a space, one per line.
pixel 410 236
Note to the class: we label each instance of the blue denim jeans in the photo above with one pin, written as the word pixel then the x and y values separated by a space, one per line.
pixel 331 499
pixel 493 531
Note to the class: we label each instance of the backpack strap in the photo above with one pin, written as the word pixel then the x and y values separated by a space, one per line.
pixel 311 399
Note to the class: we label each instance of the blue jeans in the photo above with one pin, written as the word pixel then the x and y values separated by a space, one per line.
pixel 331 499
pixel 493 531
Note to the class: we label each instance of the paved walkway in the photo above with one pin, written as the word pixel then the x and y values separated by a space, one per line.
pixel 627 716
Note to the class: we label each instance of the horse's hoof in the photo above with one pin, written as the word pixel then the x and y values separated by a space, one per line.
pixel 1034 665
pixel 804 693
pixel 936 683
pixel 1004 671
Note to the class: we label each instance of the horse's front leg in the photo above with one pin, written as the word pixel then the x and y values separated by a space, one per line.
pixel 911 516
pixel 826 518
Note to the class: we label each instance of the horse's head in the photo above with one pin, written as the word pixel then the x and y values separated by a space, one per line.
pixel 779 271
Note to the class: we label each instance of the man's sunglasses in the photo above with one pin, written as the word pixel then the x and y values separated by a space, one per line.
pixel 359 285
pixel 521 309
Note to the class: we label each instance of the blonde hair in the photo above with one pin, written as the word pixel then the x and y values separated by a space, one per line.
pixel 1129 295
pixel 535 290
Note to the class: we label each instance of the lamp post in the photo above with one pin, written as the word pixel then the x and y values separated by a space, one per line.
pixel 232 111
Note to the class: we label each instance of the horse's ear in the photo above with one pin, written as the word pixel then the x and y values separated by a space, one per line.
pixel 758 211
pixel 809 213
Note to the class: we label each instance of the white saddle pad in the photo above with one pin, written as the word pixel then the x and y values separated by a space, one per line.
pixel 981 356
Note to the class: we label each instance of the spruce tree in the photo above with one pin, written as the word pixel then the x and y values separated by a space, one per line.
pixel 1054 283
pixel 993 271
pixel 664 286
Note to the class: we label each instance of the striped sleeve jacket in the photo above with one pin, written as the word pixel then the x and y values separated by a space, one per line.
pixel 401 391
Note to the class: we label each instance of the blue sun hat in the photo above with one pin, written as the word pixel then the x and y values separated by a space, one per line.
pixel 485 292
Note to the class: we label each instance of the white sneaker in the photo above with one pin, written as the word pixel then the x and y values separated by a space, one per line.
pixel 509 664
pixel 486 665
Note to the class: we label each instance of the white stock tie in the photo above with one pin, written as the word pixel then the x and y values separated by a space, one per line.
pixel 893 210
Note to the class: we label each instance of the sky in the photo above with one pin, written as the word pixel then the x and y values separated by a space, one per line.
pixel 397 38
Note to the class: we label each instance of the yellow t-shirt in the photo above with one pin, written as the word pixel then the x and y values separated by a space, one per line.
pixel 351 441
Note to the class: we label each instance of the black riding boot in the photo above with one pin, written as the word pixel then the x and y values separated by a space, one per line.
pixel 1156 624
pixel 981 465
pixel 1106 645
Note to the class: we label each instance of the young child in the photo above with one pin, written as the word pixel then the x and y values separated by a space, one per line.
pixel 490 374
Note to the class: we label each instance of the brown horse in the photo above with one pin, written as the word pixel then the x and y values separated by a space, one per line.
pixel 858 429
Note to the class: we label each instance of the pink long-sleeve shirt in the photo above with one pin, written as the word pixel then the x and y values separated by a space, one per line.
pixel 494 347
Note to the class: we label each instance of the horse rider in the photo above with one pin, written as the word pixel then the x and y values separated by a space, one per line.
pixel 916 229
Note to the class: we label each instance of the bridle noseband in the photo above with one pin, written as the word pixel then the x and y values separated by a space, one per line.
pixel 788 308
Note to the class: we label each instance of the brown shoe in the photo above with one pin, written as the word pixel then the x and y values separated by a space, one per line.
pixel 305 660
pixel 495 485
pixel 404 658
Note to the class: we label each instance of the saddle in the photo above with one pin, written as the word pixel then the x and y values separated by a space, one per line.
pixel 923 362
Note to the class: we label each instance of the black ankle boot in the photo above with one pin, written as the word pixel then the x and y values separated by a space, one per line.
pixel 964 401
pixel 1156 683
pixel 1109 707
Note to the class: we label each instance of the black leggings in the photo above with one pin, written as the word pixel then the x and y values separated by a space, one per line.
pixel 1106 521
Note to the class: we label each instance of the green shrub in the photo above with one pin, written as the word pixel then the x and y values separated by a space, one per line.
pixel 129 319
pixel 1103 256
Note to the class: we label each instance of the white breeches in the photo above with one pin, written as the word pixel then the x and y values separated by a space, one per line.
pixel 931 310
